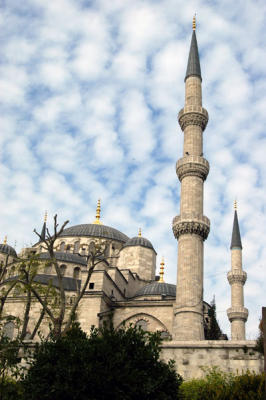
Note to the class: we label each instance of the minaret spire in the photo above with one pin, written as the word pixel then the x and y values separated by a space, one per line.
pixel 237 313
pixel 191 227
pixel 43 233
pixel 193 65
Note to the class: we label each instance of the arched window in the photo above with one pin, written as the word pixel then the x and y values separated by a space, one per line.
pixel 68 248
pixel 83 251
pixel 62 246
pixel 142 324
pixel 165 335
pixel 8 330
pixel 63 269
pixel 12 271
pixel 76 273
pixel 76 247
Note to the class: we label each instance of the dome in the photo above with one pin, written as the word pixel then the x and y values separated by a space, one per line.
pixel 6 249
pixel 66 257
pixel 157 288
pixel 139 241
pixel 95 230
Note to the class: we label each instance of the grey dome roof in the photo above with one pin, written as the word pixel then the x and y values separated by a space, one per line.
pixel 157 288
pixel 67 257
pixel 139 241
pixel 6 249
pixel 95 230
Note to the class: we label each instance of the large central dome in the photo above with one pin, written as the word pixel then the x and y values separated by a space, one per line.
pixel 95 230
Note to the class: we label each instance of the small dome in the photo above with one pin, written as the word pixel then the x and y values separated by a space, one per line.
pixel 95 230
pixel 157 288
pixel 139 241
pixel 6 249
pixel 66 257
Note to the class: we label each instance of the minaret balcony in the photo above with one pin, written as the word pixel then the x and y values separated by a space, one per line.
pixel 193 115
pixel 237 312
pixel 192 166
pixel 199 225
pixel 236 277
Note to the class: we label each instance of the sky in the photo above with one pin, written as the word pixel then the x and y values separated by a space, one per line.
pixel 89 96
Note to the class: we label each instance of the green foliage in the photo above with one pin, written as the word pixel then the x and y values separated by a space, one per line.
pixel 213 331
pixel 121 364
pixel 218 385
pixel 260 340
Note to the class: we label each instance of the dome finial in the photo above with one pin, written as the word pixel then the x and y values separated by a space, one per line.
pixel 194 22
pixel 235 205
pixel 139 234
pixel 162 271
pixel 45 216
pixel 98 213
pixel 5 240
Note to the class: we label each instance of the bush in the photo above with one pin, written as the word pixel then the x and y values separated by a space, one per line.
pixel 120 364
pixel 218 385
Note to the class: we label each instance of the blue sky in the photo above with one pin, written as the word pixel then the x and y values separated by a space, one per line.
pixel 90 92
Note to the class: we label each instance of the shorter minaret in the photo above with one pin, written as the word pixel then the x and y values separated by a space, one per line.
pixel 237 313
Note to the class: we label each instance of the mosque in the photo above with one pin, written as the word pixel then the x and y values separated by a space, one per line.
pixel 124 288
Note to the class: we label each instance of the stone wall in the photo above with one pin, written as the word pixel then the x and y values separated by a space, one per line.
pixel 229 356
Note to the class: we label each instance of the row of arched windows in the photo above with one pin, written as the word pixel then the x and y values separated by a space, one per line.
pixel 63 268
pixel 63 247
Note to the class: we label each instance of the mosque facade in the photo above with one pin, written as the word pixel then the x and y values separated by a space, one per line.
pixel 124 287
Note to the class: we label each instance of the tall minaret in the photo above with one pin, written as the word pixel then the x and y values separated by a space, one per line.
pixel 237 313
pixel 191 227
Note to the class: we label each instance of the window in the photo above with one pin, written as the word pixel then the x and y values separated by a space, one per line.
pixel 141 324
pixel 76 273
pixel 68 248
pixel 63 269
pixel 12 271
pixel 48 269
pixel 91 285
pixel 62 246
pixel 83 251
pixel 76 247
pixel 165 335
pixel 8 330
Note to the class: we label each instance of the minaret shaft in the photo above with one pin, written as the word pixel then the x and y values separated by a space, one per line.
pixel 237 313
pixel 191 227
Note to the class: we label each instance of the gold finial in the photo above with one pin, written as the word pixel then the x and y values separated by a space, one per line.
pixel 194 23
pixel 235 205
pixel 5 240
pixel 98 213
pixel 139 234
pixel 45 216
pixel 161 270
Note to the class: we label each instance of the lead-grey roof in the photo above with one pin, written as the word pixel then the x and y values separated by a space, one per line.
pixel 236 238
pixel 139 241
pixel 193 65
pixel 95 230
pixel 157 288
pixel 66 257
pixel 70 284
pixel 6 249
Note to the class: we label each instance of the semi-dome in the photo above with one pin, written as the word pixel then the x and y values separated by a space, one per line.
pixel 95 230
pixel 139 241
pixel 157 288
pixel 66 257
pixel 6 249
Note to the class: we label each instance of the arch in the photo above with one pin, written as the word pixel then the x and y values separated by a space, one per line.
pixel 12 271
pixel 48 269
pixel 8 330
pixel 68 248
pixel 147 317
pixel 142 324
pixel 76 246
pixel 62 246
pixel 76 273
pixel 63 269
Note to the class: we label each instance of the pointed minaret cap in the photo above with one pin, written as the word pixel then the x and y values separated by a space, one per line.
pixel 193 65
pixel 236 238
pixel 43 233
pixel 98 213
pixel 162 271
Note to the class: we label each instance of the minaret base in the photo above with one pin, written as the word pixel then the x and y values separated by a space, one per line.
pixel 188 324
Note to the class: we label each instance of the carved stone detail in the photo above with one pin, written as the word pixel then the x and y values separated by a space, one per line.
pixel 192 166
pixel 237 277
pixel 234 313
pixel 199 227
pixel 187 117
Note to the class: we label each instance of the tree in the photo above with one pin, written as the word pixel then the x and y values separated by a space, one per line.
pixel 213 331
pixel 121 364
